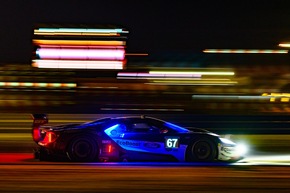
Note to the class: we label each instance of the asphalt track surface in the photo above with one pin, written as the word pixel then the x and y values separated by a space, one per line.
pixel 19 172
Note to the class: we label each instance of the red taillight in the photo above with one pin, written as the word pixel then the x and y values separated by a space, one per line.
pixel 38 121
pixel 36 134
pixel 49 137
pixel 108 148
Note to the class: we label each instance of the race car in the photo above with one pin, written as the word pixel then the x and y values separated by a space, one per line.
pixel 130 138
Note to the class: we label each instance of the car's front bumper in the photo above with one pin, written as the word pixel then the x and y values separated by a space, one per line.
pixel 229 153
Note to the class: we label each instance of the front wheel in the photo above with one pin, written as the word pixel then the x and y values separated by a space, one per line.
pixel 203 150
pixel 82 149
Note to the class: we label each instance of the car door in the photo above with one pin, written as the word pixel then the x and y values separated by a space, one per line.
pixel 147 137
pixel 153 138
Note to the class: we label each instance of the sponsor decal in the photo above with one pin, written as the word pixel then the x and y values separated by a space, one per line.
pixel 40 121
pixel 106 141
pixel 114 132
pixel 128 143
pixel 227 150
pixel 152 145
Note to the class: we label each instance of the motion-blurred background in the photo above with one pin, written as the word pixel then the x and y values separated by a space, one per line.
pixel 222 66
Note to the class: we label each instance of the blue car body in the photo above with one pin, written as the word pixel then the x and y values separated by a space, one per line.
pixel 131 138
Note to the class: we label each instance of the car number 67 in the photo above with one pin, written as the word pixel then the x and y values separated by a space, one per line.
pixel 171 142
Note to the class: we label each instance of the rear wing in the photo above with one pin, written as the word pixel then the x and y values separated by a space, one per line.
pixel 39 119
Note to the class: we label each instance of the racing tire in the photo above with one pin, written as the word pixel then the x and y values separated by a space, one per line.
pixel 83 149
pixel 203 150
pixel 41 154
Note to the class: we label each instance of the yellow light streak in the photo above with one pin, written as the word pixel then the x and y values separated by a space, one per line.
pixel 276 94
pixel 192 73
pixel 244 51
pixel 193 82
pixel 36 84
pixel 285 45
pixel 78 64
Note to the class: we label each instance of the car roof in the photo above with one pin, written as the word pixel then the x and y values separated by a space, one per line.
pixel 124 118
pixel 137 117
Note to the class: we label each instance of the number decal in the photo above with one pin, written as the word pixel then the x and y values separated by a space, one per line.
pixel 171 142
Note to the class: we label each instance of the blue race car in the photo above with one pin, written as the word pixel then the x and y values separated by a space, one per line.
pixel 131 138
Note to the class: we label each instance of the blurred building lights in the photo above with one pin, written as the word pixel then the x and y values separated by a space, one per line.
pixel 54 31
pixel 78 42
pixel 81 54
pixel 136 54
pixel 184 73
pixel 243 51
pixel 285 44
pixel 147 75
pixel 265 97
pixel 38 84
pixel 142 109
pixel 192 82
pixel 276 97
pixel 79 48
pixel 78 64
pixel 182 77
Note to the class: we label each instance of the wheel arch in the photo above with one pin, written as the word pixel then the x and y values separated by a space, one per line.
pixel 84 137
pixel 211 139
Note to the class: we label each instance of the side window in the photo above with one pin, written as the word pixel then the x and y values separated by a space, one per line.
pixel 142 128
pixel 166 129
pixel 115 130
pixel 162 128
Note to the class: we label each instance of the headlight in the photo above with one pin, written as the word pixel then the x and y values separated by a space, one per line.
pixel 242 149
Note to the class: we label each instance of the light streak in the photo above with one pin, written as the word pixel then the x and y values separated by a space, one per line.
pixel 146 75
pixel 137 54
pixel 139 109
pixel 78 64
pixel 182 73
pixel 242 51
pixel 76 34
pixel 81 54
pixel 285 45
pixel 228 97
pixel 284 97
pixel 79 42
pixel 81 47
pixel 80 30
pixel 193 82
pixel 37 84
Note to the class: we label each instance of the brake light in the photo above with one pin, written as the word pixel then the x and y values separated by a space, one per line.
pixel 36 134
pixel 38 120
pixel 108 148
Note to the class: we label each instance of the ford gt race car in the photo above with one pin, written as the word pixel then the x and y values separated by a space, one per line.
pixel 131 138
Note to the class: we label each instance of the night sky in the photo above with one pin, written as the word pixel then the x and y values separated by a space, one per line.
pixel 154 25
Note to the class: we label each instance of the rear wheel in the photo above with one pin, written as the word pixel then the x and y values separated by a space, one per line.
pixel 83 149
pixel 203 150
pixel 42 155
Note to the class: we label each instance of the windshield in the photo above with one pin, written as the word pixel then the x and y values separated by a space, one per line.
pixel 176 127
pixel 97 122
